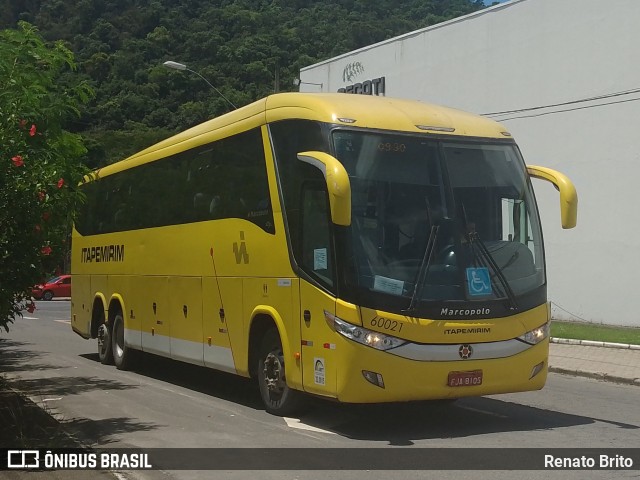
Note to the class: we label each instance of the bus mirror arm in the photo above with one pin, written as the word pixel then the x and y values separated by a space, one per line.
pixel 568 194
pixel 338 184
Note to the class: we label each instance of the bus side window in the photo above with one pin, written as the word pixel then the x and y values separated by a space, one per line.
pixel 315 234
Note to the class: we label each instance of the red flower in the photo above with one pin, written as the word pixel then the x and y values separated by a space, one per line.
pixel 17 161
pixel 23 123
pixel 60 183
pixel 42 196
pixel 46 250
pixel 32 130
pixel 31 307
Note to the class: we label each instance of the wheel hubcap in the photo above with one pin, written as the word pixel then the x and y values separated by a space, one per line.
pixel 101 334
pixel 274 373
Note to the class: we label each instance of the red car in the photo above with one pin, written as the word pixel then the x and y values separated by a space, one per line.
pixel 56 287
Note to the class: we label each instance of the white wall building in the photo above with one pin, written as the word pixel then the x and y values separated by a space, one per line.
pixel 567 73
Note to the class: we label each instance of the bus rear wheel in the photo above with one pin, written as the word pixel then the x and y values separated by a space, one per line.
pixel 277 397
pixel 105 352
pixel 121 353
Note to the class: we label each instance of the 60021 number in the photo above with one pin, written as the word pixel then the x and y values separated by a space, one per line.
pixel 386 323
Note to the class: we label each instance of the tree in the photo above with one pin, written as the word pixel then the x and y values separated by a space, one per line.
pixel 243 47
pixel 40 165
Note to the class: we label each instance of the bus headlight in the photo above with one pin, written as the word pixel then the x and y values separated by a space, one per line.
pixel 362 335
pixel 536 335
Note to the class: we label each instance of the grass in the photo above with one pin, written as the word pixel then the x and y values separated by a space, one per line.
pixel 595 332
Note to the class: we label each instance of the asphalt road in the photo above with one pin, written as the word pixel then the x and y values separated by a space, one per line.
pixel 169 404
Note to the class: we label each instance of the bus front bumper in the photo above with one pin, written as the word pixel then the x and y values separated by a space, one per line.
pixel 375 376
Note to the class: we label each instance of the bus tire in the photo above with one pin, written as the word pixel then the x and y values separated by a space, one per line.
pixel 121 353
pixel 105 351
pixel 276 395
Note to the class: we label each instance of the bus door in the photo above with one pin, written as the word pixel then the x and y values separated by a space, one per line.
pixel 319 359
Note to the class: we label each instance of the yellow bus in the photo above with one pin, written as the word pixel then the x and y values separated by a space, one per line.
pixel 358 248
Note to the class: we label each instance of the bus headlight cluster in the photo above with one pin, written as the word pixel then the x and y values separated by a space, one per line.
pixel 536 335
pixel 362 335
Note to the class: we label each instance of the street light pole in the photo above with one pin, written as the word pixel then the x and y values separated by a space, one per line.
pixel 297 82
pixel 180 66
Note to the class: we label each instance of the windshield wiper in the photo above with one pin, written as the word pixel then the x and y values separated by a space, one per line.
pixel 423 270
pixel 474 240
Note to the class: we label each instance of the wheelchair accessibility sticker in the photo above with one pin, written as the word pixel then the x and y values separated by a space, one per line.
pixel 479 281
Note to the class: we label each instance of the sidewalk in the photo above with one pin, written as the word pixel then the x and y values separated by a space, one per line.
pixel 610 362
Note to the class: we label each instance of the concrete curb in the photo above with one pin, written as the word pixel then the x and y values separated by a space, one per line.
pixel 592 343
pixel 596 375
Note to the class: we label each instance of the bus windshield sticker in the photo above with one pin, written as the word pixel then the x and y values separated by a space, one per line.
pixel 388 285
pixel 479 281
pixel 320 259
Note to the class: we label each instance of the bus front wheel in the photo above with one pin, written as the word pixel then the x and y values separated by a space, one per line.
pixel 278 398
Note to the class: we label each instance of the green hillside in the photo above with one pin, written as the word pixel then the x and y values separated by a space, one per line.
pixel 246 48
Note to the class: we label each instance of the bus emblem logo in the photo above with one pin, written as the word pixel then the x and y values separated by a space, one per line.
pixel 240 251
pixel 465 351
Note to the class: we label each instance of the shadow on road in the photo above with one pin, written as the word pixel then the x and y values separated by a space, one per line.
pixel 402 424
pixel 15 358
pixel 28 424
pixel 396 423
pixel 63 386
pixel 224 386
pixel 105 431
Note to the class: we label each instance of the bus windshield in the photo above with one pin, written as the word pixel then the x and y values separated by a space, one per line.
pixel 438 220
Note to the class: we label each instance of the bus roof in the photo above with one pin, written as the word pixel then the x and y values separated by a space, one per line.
pixel 364 111
pixel 369 111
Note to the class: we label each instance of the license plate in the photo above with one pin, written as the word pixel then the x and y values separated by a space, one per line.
pixel 465 379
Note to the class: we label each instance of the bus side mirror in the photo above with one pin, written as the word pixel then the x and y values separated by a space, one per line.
pixel 338 184
pixel 568 194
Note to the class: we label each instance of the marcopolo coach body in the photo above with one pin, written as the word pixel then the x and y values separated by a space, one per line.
pixel 360 248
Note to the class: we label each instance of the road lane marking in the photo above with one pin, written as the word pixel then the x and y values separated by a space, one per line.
pixel 63 321
pixel 297 423
pixel 31 318
pixel 486 412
